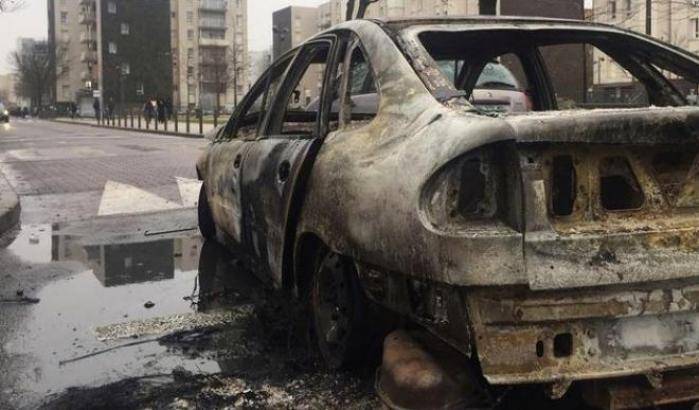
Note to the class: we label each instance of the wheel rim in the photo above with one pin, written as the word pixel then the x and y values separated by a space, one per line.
pixel 333 308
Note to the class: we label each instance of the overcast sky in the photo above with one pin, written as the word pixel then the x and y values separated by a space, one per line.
pixel 32 22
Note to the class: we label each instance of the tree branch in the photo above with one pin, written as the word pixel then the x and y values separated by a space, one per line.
pixel 8 6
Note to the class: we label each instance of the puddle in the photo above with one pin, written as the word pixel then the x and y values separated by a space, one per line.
pixel 141 286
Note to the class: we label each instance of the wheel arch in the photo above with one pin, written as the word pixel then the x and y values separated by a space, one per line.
pixel 307 246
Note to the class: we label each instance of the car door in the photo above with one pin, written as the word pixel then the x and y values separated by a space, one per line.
pixel 276 162
pixel 229 148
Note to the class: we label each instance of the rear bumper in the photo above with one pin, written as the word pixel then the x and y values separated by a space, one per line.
pixel 563 336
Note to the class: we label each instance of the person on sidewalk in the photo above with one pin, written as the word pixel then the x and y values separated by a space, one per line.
pixel 161 111
pixel 96 107
pixel 148 111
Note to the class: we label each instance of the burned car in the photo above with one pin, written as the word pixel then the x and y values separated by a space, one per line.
pixel 552 246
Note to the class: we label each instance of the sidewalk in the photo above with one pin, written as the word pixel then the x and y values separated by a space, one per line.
pixel 180 131
pixel 9 207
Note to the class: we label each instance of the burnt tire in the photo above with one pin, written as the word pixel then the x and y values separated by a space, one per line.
pixel 338 310
pixel 207 227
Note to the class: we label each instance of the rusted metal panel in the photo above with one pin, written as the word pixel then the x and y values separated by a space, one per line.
pixel 672 388
pixel 651 241
pixel 557 336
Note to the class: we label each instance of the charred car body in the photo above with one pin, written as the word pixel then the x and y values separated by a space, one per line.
pixel 549 246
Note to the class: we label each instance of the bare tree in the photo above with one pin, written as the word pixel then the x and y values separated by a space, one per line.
pixel 221 70
pixel 35 71
pixel 7 6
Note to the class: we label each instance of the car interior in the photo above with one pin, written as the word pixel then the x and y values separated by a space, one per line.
pixel 547 61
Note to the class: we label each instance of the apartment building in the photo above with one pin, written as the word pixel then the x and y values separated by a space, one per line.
pixel 7 89
pixel 334 12
pixel 65 27
pixel 116 51
pixel 210 48
pixel 189 53
pixel 676 22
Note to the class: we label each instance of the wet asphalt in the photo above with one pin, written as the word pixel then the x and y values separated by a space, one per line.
pixel 109 298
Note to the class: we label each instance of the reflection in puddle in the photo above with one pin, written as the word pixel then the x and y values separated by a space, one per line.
pixel 122 263
pixel 33 243
pixel 178 274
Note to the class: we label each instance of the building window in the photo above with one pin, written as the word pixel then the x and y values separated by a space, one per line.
pixel 190 17
pixel 627 6
pixel 125 29
pixel 611 9
pixel 125 69
pixel 694 27
pixel 190 34
pixel 64 17
pixel 111 7
pixel 112 47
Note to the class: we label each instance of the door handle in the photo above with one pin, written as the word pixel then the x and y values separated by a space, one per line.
pixel 284 171
pixel 237 160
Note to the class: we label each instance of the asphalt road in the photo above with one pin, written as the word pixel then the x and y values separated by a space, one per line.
pixel 109 298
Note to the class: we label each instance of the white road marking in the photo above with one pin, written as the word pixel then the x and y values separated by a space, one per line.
pixel 189 191
pixel 118 198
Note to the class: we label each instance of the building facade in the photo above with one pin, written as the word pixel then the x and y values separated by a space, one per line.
pixel 676 22
pixel 210 45
pixel 189 53
pixel 7 89
pixel 115 51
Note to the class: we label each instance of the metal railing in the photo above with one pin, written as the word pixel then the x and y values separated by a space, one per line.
pixel 189 122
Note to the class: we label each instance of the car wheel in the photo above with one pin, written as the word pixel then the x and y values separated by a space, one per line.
pixel 338 310
pixel 207 227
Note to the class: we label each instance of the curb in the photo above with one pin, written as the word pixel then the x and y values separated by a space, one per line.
pixel 10 208
pixel 141 130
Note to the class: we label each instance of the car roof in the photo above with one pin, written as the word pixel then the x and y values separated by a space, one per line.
pixel 398 23
pixel 473 19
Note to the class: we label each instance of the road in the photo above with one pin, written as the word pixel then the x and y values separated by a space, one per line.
pixel 109 298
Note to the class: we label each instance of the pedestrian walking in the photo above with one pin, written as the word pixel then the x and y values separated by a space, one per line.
pixel 110 109
pixel 161 111
pixel 148 111
pixel 96 107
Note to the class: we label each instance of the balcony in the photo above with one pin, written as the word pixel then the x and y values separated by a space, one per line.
pixel 88 57
pixel 213 42
pixel 86 37
pixel 86 18
pixel 213 5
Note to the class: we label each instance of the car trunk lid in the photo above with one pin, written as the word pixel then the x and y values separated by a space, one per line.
pixel 610 196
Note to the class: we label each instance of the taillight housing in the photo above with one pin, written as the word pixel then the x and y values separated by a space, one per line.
pixel 473 190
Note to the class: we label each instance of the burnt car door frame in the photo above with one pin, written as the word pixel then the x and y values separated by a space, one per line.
pixel 228 150
pixel 276 165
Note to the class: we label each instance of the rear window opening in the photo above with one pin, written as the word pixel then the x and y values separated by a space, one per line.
pixel 563 185
pixel 577 70
pixel 619 188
